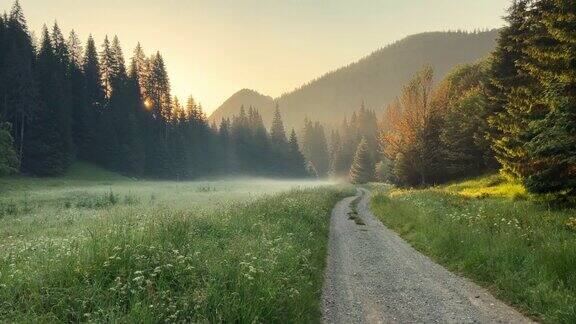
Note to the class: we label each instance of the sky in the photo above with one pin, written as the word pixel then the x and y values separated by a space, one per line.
pixel 214 48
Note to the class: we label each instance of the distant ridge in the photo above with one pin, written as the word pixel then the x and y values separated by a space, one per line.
pixel 375 79
pixel 246 98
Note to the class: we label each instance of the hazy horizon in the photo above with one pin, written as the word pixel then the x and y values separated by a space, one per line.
pixel 214 48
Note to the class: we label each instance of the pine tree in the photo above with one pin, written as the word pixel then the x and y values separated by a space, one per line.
pixel 140 66
pixel 158 88
pixel 508 91
pixel 159 102
pixel 124 105
pixel 77 95
pixel 552 152
pixel 297 162
pixel 92 104
pixel 549 59
pixel 279 144
pixel 362 170
pixel 277 132
pixel 106 67
pixel 315 147
pixel 18 92
pixel 50 150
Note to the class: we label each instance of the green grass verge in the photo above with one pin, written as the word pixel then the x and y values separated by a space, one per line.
pixel 521 250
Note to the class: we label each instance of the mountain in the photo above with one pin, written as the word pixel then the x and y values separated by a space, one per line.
pixel 246 98
pixel 376 79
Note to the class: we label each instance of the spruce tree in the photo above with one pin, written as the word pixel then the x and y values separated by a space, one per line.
pixel 552 152
pixel 50 150
pixel 315 147
pixel 77 95
pixel 507 91
pixel 123 106
pixel 106 67
pixel 91 106
pixel 279 144
pixel 297 162
pixel 277 132
pixel 549 59
pixel 19 100
pixel 362 169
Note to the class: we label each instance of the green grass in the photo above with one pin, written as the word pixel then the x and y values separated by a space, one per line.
pixel 111 249
pixel 488 186
pixel 521 250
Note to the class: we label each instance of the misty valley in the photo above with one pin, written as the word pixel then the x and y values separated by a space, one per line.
pixel 432 180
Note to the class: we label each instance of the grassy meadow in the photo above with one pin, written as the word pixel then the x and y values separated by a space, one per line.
pixel 490 231
pixel 93 246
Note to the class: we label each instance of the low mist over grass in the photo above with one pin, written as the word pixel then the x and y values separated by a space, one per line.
pixel 110 248
pixel 485 229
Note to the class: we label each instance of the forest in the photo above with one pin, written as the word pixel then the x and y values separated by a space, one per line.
pixel 62 102
pixel 512 111
pixel 446 187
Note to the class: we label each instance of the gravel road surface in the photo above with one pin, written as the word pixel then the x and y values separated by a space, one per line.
pixel 373 276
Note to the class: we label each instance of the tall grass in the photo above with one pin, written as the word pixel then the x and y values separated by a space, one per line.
pixel 105 248
pixel 520 250
pixel 260 261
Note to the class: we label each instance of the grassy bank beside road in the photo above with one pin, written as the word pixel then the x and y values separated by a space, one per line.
pixel 486 229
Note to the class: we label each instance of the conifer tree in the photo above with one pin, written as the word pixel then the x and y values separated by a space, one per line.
pixel 279 143
pixel 550 54
pixel 507 91
pixel 51 146
pixel 362 170
pixel 92 104
pixel 315 147
pixel 296 161
pixel 552 152
pixel 277 132
pixel 77 94
pixel 18 92
pixel 140 66
pixel 106 67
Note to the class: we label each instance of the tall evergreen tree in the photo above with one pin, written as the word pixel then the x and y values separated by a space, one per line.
pixel 106 67
pixel 362 169
pixel 77 93
pixel 50 149
pixel 508 90
pixel 92 104
pixel 550 57
pixel 315 147
pixel 552 152
pixel 279 143
pixel 19 100
pixel 296 161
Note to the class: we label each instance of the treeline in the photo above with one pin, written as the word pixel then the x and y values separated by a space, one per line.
pixel 61 101
pixel 515 111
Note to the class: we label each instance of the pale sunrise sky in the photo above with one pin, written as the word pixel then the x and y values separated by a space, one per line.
pixel 214 48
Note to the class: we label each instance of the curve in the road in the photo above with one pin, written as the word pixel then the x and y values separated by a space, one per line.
pixel 374 276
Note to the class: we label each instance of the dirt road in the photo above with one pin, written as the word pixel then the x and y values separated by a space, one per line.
pixel 373 276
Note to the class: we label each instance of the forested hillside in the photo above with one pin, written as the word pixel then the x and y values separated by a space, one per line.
pixel 513 111
pixel 246 98
pixel 377 78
